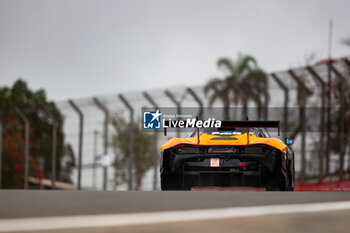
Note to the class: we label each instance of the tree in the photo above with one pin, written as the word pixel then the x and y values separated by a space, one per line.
pixel 142 154
pixel 244 81
pixel 221 90
pixel 34 105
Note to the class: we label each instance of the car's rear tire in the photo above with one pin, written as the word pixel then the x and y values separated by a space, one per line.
pixel 171 181
pixel 168 182
pixel 277 182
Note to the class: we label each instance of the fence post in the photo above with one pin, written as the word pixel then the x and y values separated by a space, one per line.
pixel 155 158
pixel 341 120
pixel 198 100
pixel 286 101
pixel 178 106
pixel 26 150
pixel 131 139
pixel 0 154
pixel 328 116
pixel 347 63
pixel 318 78
pixel 104 109
pixel 94 161
pixel 302 120
pixel 81 125
pixel 54 146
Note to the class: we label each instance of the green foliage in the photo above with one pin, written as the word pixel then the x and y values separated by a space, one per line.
pixel 35 107
pixel 143 153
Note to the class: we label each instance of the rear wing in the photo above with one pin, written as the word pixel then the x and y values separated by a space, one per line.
pixel 242 124
pixel 251 124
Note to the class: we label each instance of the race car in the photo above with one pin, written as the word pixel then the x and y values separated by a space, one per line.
pixel 238 154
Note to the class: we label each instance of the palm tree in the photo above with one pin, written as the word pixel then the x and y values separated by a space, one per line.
pixel 220 90
pixel 244 81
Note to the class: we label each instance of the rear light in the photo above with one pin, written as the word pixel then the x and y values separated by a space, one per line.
pixel 241 164
pixel 179 146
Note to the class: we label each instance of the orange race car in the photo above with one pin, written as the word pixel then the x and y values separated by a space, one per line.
pixel 228 157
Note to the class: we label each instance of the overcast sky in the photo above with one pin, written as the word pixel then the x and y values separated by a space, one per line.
pixel 84 48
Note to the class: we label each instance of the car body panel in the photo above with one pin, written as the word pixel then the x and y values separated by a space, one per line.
pixel 237 140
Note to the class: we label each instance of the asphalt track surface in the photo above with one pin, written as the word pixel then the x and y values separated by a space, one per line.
pixel 16 205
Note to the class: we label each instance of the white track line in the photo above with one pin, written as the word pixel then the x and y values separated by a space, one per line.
pixel 108 220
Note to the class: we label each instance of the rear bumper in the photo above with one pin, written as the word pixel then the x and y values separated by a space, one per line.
pixel 244 170
pixel 208 179
pixel 227 161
